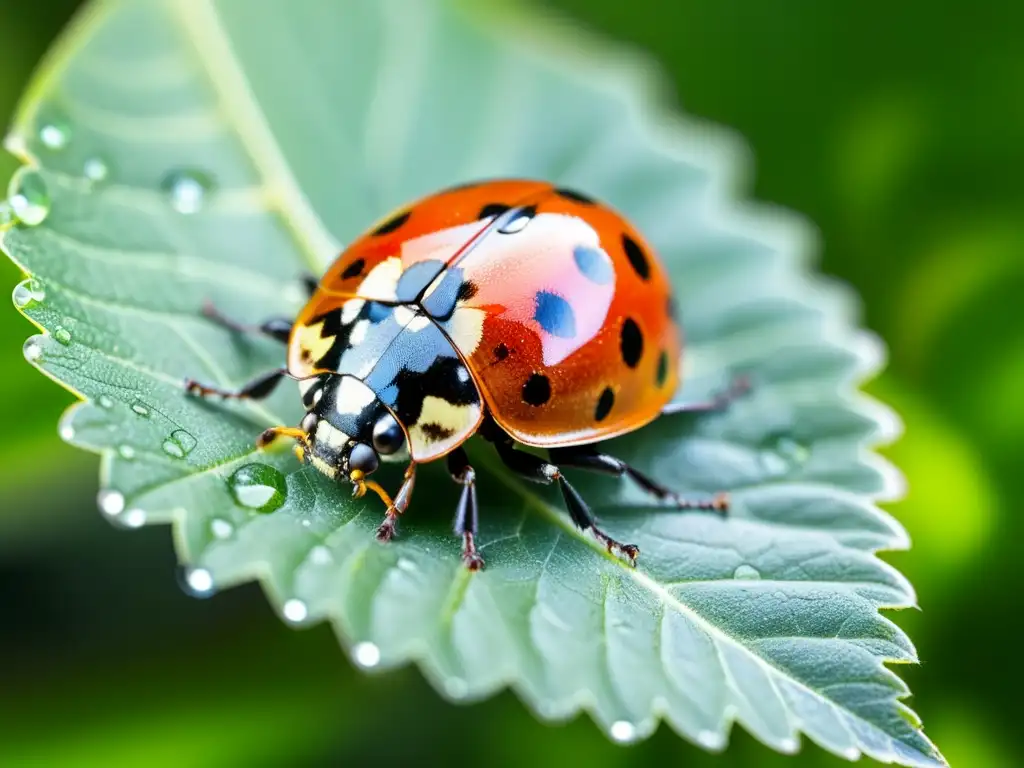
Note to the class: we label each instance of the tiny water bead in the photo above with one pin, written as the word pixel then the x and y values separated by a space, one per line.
pixel 321 555
pixel 198 582
pixel 62 335
pixel 366 654
pixel 66 432
pixel 712 740
pixel 187 190
pixel 179 444
pixel 32 350
pixel 221 529
pixel 622 731
pixel 789 746
pixel 295 611
pixel 259 487
pixel 105 401
pixel 746 572
pixel 28 293
pixel 111 503
pixel 134 518
pixel 781 454
pixel 55 135
pixel 141 409
pixel 126 452
pixel 95 170
pixel 29 197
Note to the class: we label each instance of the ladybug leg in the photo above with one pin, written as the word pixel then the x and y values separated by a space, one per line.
pixel 279 328
pixel 466 512
pixel 588 457
pixel 739 387
pixel 539 471
pixel 386 530
pixel 257 389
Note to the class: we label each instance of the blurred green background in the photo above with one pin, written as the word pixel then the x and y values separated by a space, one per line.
pixel 897 128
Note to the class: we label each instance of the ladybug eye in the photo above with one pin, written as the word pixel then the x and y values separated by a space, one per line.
pixel 309 423
pixel 363 458
pixel 388 436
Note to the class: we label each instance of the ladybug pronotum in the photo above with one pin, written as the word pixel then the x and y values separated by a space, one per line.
pixel 512 309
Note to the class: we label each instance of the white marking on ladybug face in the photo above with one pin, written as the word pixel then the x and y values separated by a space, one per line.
pixel 382 280
pixel 322 466
pixel 329 436
pixel 350 310
pixel 358 333
pixel 352 396
pixel 466 328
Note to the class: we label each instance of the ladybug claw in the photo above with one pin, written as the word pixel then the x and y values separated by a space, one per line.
pixel 473 561
pixel 386 530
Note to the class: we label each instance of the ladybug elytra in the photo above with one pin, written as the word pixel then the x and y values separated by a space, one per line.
pixel 513 309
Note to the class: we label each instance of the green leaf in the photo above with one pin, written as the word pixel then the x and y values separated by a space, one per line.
pixel 184 151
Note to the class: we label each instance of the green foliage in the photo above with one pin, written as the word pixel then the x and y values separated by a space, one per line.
pixel 168 165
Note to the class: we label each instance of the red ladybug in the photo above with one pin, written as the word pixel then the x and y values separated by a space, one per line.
pixel 515 309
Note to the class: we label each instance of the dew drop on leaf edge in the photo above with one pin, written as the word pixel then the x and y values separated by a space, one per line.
pixel 197 582
pixel 62 335
pixel 28 293
pixel 258 487
pixel 623 731
pixel 32 350
pixel 187 190
pixel 29 198
pixel 111 503
pixel 366 655
pixel 295 611
pixel 179 444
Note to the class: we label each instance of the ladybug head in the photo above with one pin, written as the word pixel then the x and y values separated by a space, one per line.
pixel 349 431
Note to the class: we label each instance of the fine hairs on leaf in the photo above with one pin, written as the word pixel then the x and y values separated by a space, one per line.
pixel 217 149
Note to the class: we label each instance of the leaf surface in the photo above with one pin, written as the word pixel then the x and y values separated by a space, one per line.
pixel 179 152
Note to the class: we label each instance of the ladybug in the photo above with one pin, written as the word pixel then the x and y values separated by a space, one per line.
pixel 514 309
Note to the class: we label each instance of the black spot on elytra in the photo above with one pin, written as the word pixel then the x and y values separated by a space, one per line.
pixel 537 390
pixel 354 269
pixel 467 291
pixel 492 209
pixel 604 404
pixel 435 432
pixel 576 197
pixel 636 256
pixel 501 351
pixel 631 342
pixel 662 373
pixel 392 224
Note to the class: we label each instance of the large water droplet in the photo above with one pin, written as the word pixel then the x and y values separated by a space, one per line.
pixel 62 334
pixel 221 529
pixel 95 170
pixel 32 350
pixel 111 503
pixel 187 190
pixel 179 443
pixel 126 452
pixel 29 198
pixel 747 572
pixel 622 731
pixel 105 401
pixel 259 487
pixel 197 582
pixel 27 293
pixel 55 135
pixel 141 409
pixel 366 654
pixel 295 611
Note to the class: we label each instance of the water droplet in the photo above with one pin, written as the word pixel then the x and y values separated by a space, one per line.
pixel 259 487
pixel 55 135
pixel 66 432
pixel 221 529
pixel 789 746
pixel 126 452
pixel 366 655
pixel 747 572
pixel 407 565
pixel 198 582
pixel 321 555
pixel 621 731
pixel 32 350
pixel 29 198
pixel 105 401
pixel 27 293
pixel 187 190
pixel 792 451
pixel 782 454
pixel 306 522
pixel 95 170
pixel 456 687
pixel 62 334
pixel 711 740
pixel 851 753
pixel 295 611
pixel 111 503
pixel 134 518
pixel 179 443
pixel 141 409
